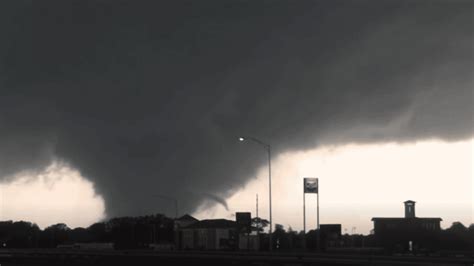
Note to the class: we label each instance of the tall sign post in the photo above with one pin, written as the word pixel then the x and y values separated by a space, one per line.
pixel 268 148
pixel 310 185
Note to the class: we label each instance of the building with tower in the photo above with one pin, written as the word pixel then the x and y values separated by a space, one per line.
pixel 407 234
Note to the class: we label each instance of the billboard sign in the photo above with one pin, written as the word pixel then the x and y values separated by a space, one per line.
pixel 310 185
pixel 244 220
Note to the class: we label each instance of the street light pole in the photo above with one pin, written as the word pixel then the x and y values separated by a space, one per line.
pixel 268 149
pixel 270 193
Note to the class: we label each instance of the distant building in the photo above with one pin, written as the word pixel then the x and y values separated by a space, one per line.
pixel 214 234
pixel 408 234
pixel 330 235
pixel 182 222
pixel 244 221
pixel 249 242
pixel 185 220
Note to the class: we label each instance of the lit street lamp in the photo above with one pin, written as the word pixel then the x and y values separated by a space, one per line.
pixel 267 147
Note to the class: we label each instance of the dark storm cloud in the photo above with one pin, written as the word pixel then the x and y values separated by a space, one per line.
pixel 149 97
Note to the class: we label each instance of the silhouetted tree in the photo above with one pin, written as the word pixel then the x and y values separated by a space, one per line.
pixel 457 237
pixel 19 234
pixel 280 238
pixel 311 240
pixel 259 224
pixel 139 232
pixel 80 235
pixel 295 239
pixel 99 232
pixel 55 235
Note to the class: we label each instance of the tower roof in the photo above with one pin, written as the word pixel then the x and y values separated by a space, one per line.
pixel 187 217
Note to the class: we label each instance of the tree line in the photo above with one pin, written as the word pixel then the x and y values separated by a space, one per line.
pixel 123 232
pixel 140 232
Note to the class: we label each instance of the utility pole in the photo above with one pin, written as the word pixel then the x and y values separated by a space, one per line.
pixel 258 219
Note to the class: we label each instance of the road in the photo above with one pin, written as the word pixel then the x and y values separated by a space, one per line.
pixel 135 257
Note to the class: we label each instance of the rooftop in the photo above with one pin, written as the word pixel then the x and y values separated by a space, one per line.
pixel 187 217
pixel 403 218
pixel 214 223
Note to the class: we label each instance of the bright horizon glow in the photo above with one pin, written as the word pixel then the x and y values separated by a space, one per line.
pixel 361 181
pixel 57 195
pixel 357 182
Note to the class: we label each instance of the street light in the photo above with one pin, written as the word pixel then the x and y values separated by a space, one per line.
pixel 268 149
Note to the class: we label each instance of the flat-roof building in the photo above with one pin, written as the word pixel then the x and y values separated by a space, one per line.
pixel 212 234
pixel 407 234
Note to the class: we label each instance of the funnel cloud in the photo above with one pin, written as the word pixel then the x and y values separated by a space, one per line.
pixel 150 97
pixel 218 199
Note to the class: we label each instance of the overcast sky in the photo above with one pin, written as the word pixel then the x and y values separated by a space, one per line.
pixel 144 98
